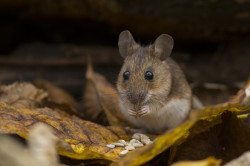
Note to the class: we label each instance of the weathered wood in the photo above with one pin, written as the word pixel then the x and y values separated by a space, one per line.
pixel 210 20
pixel 65 64
pixel 41 54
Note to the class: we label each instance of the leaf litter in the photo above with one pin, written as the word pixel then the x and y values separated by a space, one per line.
pixel 213 131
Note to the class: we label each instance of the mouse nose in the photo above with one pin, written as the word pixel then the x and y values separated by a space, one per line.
pixel 137 97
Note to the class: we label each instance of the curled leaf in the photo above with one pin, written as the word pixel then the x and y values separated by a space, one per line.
pixel 22 95
pixel 107 96
pixel 91 104
pixel 57 95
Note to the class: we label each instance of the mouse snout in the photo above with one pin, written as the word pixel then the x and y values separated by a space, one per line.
pixel 137 97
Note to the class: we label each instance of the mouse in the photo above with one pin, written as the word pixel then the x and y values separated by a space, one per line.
pixel 154 94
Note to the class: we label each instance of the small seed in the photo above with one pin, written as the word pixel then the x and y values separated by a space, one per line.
pixel 130 147
pixel 137 136
pixel 145 139
pixel 123 153
pixel 110 146
pixel 134 141
pixel 137 145
pixel 123 142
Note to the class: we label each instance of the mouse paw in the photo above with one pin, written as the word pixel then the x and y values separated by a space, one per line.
pixel 144 110
pixel 132 113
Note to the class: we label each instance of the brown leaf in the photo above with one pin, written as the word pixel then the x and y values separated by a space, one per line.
pixel 22 95
pixel 86 140
pixel 57 95
pixel 91 104
pixel 108 97
pixel 226 140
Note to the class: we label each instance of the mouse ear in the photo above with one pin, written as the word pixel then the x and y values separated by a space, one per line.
pixel 125 43
pixel 163 46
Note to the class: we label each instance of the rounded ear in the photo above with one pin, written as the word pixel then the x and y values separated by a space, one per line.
pixel 163 46
pixel 125 43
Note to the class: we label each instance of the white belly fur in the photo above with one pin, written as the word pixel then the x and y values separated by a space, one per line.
pixel 158 121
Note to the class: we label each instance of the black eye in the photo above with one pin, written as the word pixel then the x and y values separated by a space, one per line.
pixel 126 75
pixel 148 75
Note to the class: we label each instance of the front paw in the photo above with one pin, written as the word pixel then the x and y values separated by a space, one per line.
pixel 144 111
pixel 132 113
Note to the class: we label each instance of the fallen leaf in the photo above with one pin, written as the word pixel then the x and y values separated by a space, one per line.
pixel 225 140
pixel 91 104
pixel 22 95
pixel 107 96
pixel 57 95
pixel 85 140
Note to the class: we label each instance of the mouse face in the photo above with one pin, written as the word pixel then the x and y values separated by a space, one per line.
pixel 145 78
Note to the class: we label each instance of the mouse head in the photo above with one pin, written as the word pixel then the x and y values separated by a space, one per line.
pixel 145 76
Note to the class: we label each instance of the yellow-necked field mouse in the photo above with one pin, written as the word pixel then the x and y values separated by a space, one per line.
pixel 153 92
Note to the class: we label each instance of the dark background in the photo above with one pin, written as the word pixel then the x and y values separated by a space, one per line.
pixel 51 39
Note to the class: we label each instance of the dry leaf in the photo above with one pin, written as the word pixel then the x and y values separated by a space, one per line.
pixel 225 140
pixel 22 95
pixel 108 97
pixel 57 95
pixel 92 108
pixel 85 140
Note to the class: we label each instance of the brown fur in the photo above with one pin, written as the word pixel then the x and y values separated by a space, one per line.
pixel 169 83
